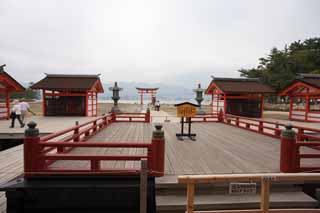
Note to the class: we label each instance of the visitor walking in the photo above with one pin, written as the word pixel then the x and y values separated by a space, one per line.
pixel 158 105
pixel 16 114
pixel 25 108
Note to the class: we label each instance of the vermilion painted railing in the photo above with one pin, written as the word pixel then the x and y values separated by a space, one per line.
pixel 36 160
pixel 213 117
pixel 41 153
pixel 133 117
pixel 300 156
pixel 270 128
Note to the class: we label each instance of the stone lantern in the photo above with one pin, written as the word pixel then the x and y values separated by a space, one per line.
pixel 199 98
pixel 115 97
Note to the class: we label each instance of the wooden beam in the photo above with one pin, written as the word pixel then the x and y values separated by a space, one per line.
pixel 143 185
pixel 276 177
pixel 190 197
pixel 259 211
pixel 265 195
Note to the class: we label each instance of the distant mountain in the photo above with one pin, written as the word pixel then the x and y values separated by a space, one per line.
pixel 165 92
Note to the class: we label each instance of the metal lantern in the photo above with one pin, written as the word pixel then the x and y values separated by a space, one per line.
pixel 115 97
pixel 199 98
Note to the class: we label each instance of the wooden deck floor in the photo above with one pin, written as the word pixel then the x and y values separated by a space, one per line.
pixel 11 166
pixel 219 148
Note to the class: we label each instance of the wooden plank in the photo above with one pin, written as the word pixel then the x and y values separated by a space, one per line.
pixel 143 186
pixel 265 196
pixel 190 197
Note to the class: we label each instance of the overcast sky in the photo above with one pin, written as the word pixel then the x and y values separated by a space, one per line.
pixel 155 41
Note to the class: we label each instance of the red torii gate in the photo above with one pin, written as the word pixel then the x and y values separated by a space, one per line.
pixel 7 85
pixel 141 91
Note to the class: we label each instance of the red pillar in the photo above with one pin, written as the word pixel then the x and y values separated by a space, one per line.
pixel 291 106
pixel 262 106
pixel 141 97
pixel 225 103
pixel 307 109
pixel 7 104
pixel 32 151
pixel 87 104
pixel 288 151
pixel 43 103
pixel 96 94
pixel 158 152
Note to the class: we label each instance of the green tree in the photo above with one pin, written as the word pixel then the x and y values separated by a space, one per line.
pixel 281 67
pixel 27 94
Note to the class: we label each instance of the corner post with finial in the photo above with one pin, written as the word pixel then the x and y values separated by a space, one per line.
pixel 32 150
pixel 288 151
pixel 157 151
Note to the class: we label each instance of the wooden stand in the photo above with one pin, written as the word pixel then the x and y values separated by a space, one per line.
pixel 189 134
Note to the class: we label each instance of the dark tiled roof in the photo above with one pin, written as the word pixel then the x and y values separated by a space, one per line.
pixel 311 79
pixel 68 82
pixel 240 85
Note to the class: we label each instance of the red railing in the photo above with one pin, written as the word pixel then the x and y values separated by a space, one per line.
pixel 133 117
pixel 40 154
pixel 300 156
pixel 206 118
pixel 38 162
pixel 270 128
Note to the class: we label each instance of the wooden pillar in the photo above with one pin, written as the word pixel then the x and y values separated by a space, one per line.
pixel 291 107
pixel 92 104
pixel 96 94
pixel 87 104
pixel 43 102
pixel 211 103
pixel 7 103
pixel 262 106
pixel 307 108
pixel 141 97
pixel 225 103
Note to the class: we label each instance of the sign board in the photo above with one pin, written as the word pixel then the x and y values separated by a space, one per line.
pixel 242 188
pixel 186 109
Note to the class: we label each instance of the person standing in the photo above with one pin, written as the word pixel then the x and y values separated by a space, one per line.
pixel 16 114
pixel 25 108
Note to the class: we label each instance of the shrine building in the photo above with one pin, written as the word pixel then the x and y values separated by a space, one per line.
pixel 70 95
pixel 7 85
pixel 304 95
pixel 238 96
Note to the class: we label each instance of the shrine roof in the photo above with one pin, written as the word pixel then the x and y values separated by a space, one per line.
pixel 67 82
pixel 238 85
pixel 8 82
pixel 311 79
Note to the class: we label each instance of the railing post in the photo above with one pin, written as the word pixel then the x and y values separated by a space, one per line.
pixel 220 116
pixel 94 126
pixel 260 126
pixel 237 121
pixel 113 117
pixel 76 132
pixel 158 149
pixel 148 116
pixel 31 150
pixel 300 134
pixel 288 150
pixel 277 131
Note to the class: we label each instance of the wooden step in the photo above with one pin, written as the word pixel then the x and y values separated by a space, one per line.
pixel 177 203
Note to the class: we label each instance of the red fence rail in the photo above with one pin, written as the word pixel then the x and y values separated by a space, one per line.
pixel 213 117
pixel 40 153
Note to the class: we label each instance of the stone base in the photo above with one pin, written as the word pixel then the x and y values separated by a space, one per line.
pixel 115 109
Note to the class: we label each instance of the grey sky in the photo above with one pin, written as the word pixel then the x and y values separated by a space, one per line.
pixel 157 41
